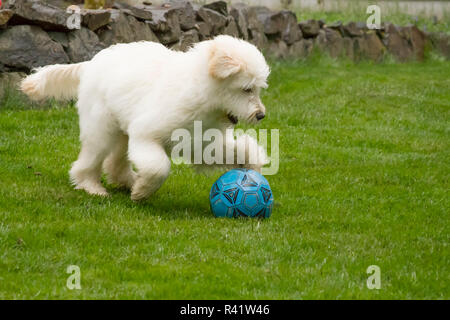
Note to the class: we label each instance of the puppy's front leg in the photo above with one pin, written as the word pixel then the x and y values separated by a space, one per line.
pixel 152 164
pixel 249 154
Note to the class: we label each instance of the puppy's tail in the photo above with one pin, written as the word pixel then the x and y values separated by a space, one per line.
pixel 59 81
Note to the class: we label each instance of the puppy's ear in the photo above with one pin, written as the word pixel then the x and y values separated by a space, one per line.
pixel 221 64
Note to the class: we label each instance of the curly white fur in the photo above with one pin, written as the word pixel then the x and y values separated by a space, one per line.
pixel 132 96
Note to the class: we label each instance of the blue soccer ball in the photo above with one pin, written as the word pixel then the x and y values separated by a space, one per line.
pixel 241 193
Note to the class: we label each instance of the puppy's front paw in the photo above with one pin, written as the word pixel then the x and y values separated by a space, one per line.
pixel 255 155
pixel 136 197
pixel 139 193
pixel 93 188
pixel 143 188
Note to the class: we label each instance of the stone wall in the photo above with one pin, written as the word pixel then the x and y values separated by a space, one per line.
pixel 34 33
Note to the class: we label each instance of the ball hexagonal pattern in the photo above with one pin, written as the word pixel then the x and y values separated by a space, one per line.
pixel 241 193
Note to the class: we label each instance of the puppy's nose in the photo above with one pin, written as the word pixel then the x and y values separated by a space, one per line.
pixel 260 115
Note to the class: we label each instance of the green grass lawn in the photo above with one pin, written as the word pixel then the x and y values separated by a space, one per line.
pixel 363 180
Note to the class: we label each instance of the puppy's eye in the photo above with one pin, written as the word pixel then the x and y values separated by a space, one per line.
pixel 248 90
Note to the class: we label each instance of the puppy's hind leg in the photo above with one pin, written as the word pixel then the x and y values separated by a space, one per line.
pixel 117 166
pixel 152 164
pixel 97 137
pixel 85 172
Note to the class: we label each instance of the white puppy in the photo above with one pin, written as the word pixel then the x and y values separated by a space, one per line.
pixel 132 96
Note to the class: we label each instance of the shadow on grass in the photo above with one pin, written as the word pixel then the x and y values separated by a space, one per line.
pixel 166 204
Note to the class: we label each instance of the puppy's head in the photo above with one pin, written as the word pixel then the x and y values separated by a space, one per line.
pixel 240 71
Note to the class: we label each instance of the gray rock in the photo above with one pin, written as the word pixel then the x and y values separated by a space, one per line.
pixel 363 25
pixel 196 7
pixel 280 25
pixel 310 28
pixel 170 19
pixel 259 39
pixel 165 24
pixel 256 28
pixel 231 28
pixel 60 37
pixel 375 48
pixel 163 20
pixel 240 14
pixel 83 45
pixel 187 40
pixel 140 12
pixel 333 25
pixel 359 48
pixel 124 29
pixel 277 49
pixel 352 30
pixel 185 12
pixel 63 4
pixel 416 39
pixel 218 6
pixel 337 26
pixel 320 40
pixel 301 49
pixel 348 48
pixel 396 44
pixel 26 47
pixel 95 19
pixel 36 12
pixel 5 15
pixel 441 43
pixel 256 16
pixel 330 40
pixel 291 31
pixel 204 30
pixel 368 47
pixel 215 20
pixel 273 22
